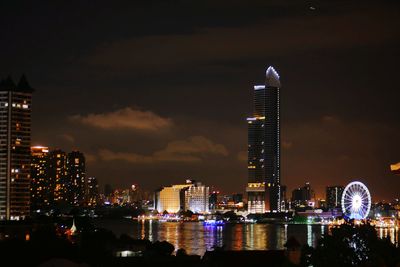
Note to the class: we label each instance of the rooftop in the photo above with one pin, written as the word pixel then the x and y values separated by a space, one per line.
pixel 272 78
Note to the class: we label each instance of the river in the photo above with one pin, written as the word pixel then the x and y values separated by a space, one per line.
pixel 196 238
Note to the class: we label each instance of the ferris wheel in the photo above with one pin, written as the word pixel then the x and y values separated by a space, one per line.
pixel 356 201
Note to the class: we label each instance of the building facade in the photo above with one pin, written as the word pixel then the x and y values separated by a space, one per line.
pixel 264 182
pixel 58 170
pixel 192 196
pixel 15 143
pixel 92 194
pixel 77 175
pixel 170 198
pixel 197 198
pixel 213 200
pixel 334 196
pixel 41 183
pixel 302 196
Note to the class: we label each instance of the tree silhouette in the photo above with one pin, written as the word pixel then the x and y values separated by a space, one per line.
pixel 352 245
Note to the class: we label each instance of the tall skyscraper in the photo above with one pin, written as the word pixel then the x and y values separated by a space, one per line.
pixel 264 147
pixel 41 183
pixel 76 172
pixel 15 152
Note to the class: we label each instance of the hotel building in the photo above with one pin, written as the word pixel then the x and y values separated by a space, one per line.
pixel 264 147
pixel 191 196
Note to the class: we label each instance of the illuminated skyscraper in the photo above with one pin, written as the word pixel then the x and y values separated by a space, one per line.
pixel 15 143
pixel 76 171
pixel 59 176
pixel 264 147
pixel 41 184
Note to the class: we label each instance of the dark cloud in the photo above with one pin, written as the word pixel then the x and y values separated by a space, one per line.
pixel 67 137
pixel 194 149
pixel 190 66
pixel 278 37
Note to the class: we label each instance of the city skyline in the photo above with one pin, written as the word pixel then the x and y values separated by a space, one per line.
pixel 186 102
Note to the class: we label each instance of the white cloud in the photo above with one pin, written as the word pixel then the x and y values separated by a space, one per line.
pixel 126 118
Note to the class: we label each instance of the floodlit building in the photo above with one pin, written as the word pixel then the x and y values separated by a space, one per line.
pixel 395 168
pixel 15 152
pixel 264 147
pixel 191 196
pixel 256 197
pixel 197 198
pixel 170 198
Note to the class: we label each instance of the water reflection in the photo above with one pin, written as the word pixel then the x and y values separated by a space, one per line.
pixel 196 238
pixel 391 233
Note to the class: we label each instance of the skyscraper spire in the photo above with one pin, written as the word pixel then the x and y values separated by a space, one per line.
pixel 272 78
pixel 23 85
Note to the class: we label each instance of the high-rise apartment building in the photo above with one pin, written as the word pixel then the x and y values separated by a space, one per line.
pixel 15 143
pixel 41 183
pixel 58 172
pixel 92 194
pixel 264 147
pixel 76 171
pixel 334 196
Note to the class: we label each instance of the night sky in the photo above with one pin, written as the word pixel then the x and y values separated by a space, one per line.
pixel 155 92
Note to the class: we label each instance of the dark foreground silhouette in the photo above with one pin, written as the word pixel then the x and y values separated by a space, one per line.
pixel 348 245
